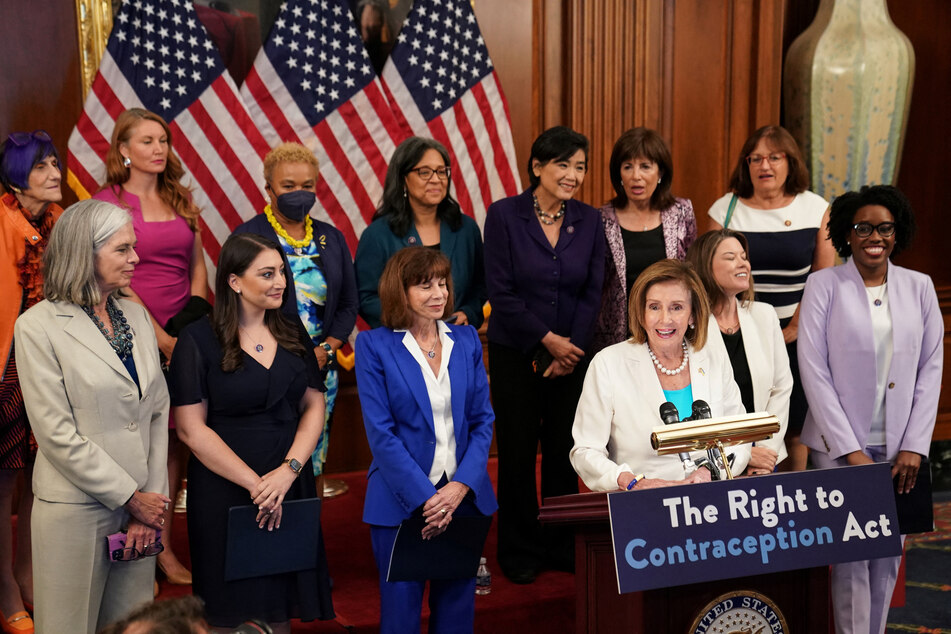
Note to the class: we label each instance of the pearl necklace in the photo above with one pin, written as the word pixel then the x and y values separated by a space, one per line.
pixel 545 217
pixel 661 367
pixel 298 245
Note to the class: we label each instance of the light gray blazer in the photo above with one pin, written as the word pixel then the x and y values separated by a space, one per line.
pixel 99 441
pixel 837 361
pixel 769 365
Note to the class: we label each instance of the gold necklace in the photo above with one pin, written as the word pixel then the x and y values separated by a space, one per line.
pixel 279 230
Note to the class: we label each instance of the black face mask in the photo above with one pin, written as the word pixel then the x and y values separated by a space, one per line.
pixel 296 204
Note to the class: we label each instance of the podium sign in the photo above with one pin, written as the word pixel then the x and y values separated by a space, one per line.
pixel 751 526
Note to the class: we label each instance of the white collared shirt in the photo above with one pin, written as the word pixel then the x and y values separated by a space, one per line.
pixel 440 397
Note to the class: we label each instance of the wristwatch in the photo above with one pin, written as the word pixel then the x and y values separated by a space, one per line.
pixel 326 346
pixel 294 464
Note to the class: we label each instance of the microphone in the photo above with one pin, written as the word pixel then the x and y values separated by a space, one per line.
pixel 669 414
pixel 700 411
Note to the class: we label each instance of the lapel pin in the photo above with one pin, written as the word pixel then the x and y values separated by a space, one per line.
pixel 571 229
pixel 412 240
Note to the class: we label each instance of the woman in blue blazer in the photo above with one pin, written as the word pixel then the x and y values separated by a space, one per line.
pixel 425 400
pixel 870 357
pixel 418 210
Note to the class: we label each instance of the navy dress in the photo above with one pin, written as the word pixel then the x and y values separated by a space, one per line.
pixel 255 411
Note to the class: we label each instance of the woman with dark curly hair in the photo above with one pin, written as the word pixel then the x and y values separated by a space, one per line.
pixel 770 203
pixel 418 210
pixel 643 224
pixel 870 354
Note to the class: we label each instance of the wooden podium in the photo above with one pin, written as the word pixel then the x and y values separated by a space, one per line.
pixel 801 595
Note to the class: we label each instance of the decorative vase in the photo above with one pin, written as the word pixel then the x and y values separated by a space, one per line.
pixel 847 86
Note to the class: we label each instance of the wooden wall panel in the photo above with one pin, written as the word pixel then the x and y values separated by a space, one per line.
pixel 704 74
pixel 923 174
pixel 727 71
pixel 40 86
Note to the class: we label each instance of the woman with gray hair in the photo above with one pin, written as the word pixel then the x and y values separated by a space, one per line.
pixel 96 397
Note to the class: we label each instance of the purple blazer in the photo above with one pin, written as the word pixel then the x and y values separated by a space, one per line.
pixel 534 287
pixel 837 361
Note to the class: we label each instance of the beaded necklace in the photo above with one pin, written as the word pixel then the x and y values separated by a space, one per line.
pixel 545 217
pixel 298 245
pixel 121 338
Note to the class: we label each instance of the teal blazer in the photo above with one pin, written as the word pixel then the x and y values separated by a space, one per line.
pixel 463 248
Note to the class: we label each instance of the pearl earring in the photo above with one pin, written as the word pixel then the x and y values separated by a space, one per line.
pixel 405 193
pixel 126 161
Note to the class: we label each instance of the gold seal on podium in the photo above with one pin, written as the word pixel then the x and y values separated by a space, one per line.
pixel 740 612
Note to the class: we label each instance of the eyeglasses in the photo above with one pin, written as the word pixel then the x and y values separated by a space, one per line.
pixel 22 138
pixel 773 159
pixel 865 229
pixel 426 173
pixel 131 554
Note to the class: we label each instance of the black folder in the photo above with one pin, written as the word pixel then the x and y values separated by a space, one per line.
pixel 453 554
pixel 256 552
pixel 915 508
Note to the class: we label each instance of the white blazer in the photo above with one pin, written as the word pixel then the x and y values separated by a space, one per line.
pixel 769 365
pixel 99 440
pixel 620 405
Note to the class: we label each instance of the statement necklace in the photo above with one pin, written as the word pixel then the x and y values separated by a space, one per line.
pixel 544 216
pixel 661 367
pixel 121 338
pixel 298 245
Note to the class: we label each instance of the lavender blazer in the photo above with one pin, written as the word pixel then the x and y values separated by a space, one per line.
pixel 679 225
pixel 837 361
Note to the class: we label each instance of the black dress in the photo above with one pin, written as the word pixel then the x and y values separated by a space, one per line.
pixel 255 411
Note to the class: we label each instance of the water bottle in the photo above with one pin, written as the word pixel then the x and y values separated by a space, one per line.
pixel 483 578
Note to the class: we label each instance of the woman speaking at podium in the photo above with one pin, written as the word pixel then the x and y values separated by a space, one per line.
pixel 665 360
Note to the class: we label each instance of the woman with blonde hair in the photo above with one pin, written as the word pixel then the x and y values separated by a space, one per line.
pixel 749 333
pixel 143 176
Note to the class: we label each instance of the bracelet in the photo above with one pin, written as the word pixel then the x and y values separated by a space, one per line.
pixel 637 478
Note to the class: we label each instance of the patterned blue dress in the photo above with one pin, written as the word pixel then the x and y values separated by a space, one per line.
pixel 311 287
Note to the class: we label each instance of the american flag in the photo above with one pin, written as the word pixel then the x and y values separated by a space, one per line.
pixel 313 83
pixel 441 83
pixel 159 57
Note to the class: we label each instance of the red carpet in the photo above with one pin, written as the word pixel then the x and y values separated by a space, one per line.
pixel 548 605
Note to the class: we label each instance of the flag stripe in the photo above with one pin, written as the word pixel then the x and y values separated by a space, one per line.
pixel 503 170
pixel 440 133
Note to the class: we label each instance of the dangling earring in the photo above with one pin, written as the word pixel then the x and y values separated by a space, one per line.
pixel 126 161
pixel 405 193
pixel 16 190
pixel 659 180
